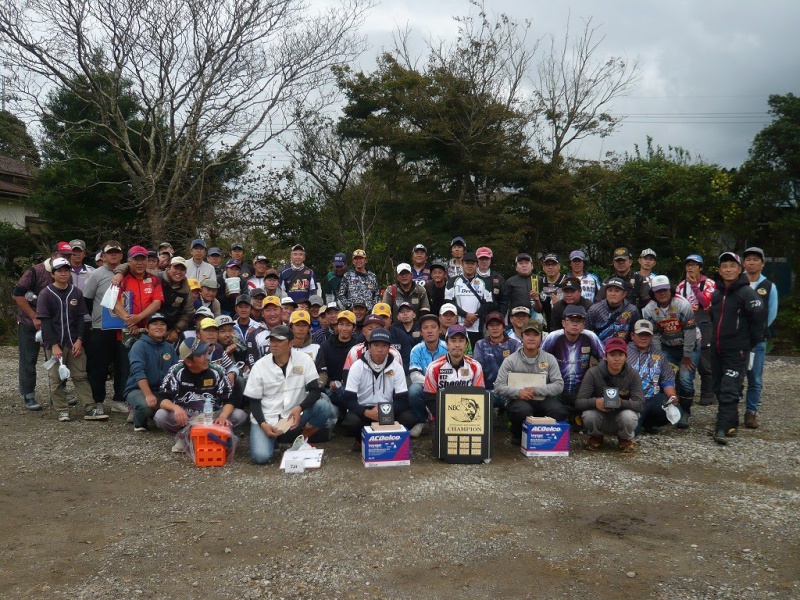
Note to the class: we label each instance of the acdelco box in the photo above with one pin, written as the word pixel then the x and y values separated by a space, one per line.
pixel 385 448
pixel 545 439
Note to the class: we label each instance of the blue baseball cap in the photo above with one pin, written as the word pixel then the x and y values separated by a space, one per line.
pixel 198 242
pixel 694 258
pixel 379 335
pixel 214 251
pixel 339 259
pixel 456 330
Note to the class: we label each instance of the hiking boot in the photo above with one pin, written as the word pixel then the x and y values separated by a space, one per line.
pixel 95 414
pixel 684 422
pixel 64 417
pixel 707 399
pixel 626 446
pixel 751 420
pixel 719 437
pixel 119 407
pixel 179 446
pixel 31 403
pixel 593 442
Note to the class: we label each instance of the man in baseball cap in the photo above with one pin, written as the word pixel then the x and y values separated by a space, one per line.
pixel 404 289
pixel 613 316
pixel 590 283
pixel 359 286
pixel 457 249
pixel 420 270
pixel 333 279
pixel 492 350
pixel 570 296
pixel 637 292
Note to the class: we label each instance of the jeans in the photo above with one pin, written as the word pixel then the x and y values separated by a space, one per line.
pixel 141 411
pixel 262 447
pixel 28 355
pixel 754 376
pixel 653 415
pixel 685 378
pixel 416 399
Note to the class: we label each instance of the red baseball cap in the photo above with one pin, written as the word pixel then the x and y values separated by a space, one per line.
pixel 616 343
pixel 137 251
pixel 64 248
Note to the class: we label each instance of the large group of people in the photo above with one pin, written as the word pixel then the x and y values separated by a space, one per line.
pixel 292 352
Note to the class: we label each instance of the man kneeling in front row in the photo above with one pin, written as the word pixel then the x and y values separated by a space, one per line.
pixel 611 398
pixel 284 384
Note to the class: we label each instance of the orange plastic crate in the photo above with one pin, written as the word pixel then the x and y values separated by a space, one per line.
pixel 207 452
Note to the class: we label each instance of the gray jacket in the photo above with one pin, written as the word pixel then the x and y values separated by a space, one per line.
pixel 518 362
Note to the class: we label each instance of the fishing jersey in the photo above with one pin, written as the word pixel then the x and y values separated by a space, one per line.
pixel 300 283
pixel 698 294
pixel 257 343
pixel 590 285
pixel 609 322
pixel 675 324
pixel 356 351
pixel 441 373
pixel 189 390
pixel 573 357
pixel 468 296
pixel 653 367
pixel 358 287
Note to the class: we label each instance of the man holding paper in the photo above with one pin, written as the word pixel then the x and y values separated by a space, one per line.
pixel 531 380
pixel 285 397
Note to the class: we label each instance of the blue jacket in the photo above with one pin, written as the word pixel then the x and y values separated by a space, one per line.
pixel 149 360
pixel 491 356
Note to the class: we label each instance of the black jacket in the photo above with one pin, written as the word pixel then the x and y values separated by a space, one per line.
pixel 738 316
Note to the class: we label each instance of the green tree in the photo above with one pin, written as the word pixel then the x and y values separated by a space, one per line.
pixel 15 140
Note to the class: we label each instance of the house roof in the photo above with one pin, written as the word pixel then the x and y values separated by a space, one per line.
pixel 14 167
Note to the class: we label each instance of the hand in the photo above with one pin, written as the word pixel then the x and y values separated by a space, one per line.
pixel 230 349
pixel 37 323
pixel 131 320
pixel 598 404
pixel 269 430
pixel 294 415
pixel 151 400
pixel 470 319
pixel 181 418
pixel 220 421
pixel 117 279
pixel 527 394
pixel 172 336
pixel 687 363
pixel 692 278
pixel 372 413
pixel 57 352
pixel 77 348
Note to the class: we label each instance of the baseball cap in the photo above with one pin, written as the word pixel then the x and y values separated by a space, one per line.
pixel 209 283
pixel 165 246
pixel 373 320
pixel 339 259
pixel 260 258
pixel 214 251
pixel 494 316
pixel 222 320
pixel 298 247
pixel 648 252
pixel 458 240
pixel 621 253
pixel 272 300
pixel 207 323
pixel 428 317
pixel 193 284
pixel 198 242
pixel 203 311
pixel 233 263
pixel 448 307
pixel 659 282
pixel 151 253
pixel 237 246
pixel 470 257
pixel 571 283
pixel 260 292
pixel 112 247
pixel 382 310
pixel 316 301
pixel 347 316
pixel 286 300
pixel 79 244
pixel 359 253
pixel 60 263
pixel 98 256
pixel 178 260
pixel 616 343
pixel 532 324
pixel 438 265
pixel 729 256
pixel 456 330
pixel 550 258
pixel 137 251
pixel 520 310
pixel 197 348
pixel 300 315
pixel 751 250
pixel 483 252
pixel 271 273
pixel 379 335
pixel 643 326
pixel 281 332
pixel 574 310
pixel 403 305
pixel 616 282
pixel 157 317
pixel 63 248
pixel 420 247
pixel 577 255
pixel 403 267
pixel 244 299
pixel 694 258
pixel 522 256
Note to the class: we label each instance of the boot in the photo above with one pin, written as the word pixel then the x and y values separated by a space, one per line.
pixel 751 420
pixel 686 412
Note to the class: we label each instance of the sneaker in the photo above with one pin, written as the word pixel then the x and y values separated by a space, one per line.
pixel 416 430
pixel 593 442
pixel 119 407
pixel 626 446
pixel 95 414
pixel 140 428
pixel 180 446
pixel 63 417
pixel 31 403
pixel 684 422
pixel 73 402
pixel 356 447
pixel 130 415
pixel 751 420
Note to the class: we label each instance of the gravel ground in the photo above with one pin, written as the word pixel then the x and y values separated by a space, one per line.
pixel 93 510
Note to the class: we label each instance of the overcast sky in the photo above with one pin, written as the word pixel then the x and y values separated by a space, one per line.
pixel 707 66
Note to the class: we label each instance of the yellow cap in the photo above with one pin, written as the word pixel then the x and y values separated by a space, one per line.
pixel 347 315
pixel 382 310
pixel 300 315
pixel 193 284
pixel 206 323
pixel 273 300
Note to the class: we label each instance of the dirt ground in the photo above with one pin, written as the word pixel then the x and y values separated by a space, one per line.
pixel 94 510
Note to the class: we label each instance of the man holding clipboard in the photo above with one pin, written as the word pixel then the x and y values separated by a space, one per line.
pixel 531 380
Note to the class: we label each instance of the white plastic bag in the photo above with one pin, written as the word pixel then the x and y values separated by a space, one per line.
pixel 63 371
pixel 673 414
pixel 110 297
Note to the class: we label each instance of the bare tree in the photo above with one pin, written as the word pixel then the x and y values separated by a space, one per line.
pixel 225 75
pixel 575 90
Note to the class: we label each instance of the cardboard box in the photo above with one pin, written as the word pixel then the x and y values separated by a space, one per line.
pixel 545 439
pixel 386 447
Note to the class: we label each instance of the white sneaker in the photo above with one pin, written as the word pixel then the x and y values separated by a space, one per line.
pixel 63 417
pixel 130 418
pixel 119 407
pixel 417 430
pixel 180 446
